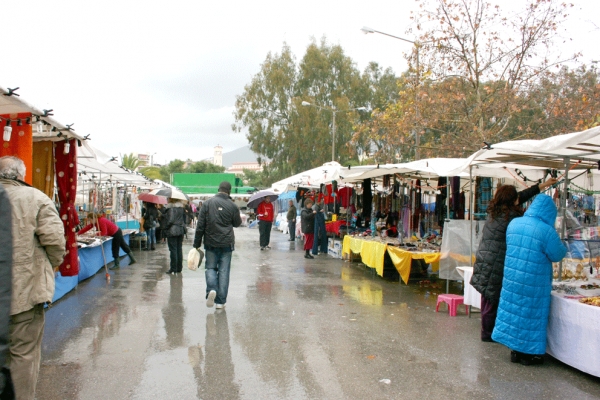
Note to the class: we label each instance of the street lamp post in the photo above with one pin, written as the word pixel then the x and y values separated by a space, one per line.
pixel 152 159
pixel 367 30
pixel 333 113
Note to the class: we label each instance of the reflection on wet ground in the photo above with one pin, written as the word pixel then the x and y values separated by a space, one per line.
pixel 292 329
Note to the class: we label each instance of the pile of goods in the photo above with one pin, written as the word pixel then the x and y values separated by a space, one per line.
pixel 592 301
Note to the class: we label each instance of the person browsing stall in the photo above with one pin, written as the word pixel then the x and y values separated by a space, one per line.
pixel 265 213
pixel 108 228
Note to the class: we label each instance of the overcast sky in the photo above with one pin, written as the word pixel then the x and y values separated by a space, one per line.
pixel 162 77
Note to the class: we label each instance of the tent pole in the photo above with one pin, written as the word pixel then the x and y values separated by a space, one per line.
pixel 563 206
pixel 447 219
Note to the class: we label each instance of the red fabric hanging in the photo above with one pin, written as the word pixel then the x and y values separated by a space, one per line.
pixel 66 179
pixel 21 141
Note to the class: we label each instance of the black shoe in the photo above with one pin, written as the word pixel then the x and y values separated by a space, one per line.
pixel 169 272
pixel 530 359
pixel 153 248
pixel 145 249
pixel 489 340
pixel 308 256
pixel 262 248
pixel 514 356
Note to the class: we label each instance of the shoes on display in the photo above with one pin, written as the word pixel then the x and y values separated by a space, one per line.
pixel 210 300
pixel 218 306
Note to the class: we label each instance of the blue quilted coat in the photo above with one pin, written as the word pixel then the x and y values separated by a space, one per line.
pixel 532 244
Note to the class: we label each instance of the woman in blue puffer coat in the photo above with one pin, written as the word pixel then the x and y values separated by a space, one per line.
pixel 532 245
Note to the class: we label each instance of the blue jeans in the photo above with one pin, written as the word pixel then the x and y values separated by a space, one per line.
pixel 218 263
pixel 151 241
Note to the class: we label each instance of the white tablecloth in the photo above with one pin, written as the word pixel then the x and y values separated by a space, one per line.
pixel 472 296
pixel 574 334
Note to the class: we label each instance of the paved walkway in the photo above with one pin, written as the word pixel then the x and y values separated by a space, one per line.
pixel 292 329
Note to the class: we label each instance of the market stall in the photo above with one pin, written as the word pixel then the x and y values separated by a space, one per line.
pixel 574 327
pixel 373 252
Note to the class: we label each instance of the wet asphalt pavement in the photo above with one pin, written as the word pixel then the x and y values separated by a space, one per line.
pixel 292 329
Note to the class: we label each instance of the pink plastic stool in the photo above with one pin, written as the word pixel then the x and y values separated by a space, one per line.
pixel 453 300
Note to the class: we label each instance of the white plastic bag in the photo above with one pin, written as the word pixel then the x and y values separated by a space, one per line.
pixel 194 259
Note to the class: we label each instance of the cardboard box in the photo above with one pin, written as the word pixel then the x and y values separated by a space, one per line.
pixel 335 253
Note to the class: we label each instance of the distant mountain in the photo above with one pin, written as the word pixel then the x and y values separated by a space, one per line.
pixel 243 154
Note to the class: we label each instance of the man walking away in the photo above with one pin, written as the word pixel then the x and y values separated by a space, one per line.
pixel 291 218
pixel 265 222
pixel 38 247
pixel 216 220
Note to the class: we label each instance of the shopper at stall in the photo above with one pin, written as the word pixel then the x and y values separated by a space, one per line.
pixel 307 222
pixel 105 227
pixel 489 263
pixel 532 245
pixel 150 216
pixel 38 246
pixel 265 214
pixel 218 216
pixel 320 238
pixel 174 230
pixel 291 219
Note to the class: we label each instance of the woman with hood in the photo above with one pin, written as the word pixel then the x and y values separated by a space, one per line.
pixel 174 229
pixel 532 245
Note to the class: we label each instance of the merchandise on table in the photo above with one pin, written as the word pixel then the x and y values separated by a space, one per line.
pixel 592 301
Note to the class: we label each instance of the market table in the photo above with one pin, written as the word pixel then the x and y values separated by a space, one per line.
pixel 574 334
pixel 90 262
pixel 373 252
pixel 472 296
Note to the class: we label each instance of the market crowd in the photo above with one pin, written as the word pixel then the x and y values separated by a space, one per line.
pixel 512 268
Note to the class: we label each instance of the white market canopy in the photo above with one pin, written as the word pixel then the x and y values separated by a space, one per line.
pixel 578 151
pixel 50 129
pixel 313 178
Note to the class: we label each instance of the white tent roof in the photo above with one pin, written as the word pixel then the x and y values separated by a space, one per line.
pixel 96 166
pixel 578 151
pixel 330 171
pixel 13 105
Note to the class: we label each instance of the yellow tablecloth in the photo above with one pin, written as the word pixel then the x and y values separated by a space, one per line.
pixel 373 252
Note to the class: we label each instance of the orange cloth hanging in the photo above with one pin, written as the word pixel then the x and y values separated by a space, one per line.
pixel 21 141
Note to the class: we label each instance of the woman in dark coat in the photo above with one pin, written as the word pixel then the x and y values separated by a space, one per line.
pixel 488 270
pixel 174 229
pixel 150 216
pixel 307 223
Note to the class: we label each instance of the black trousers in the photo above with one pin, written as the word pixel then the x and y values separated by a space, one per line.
pixel 175 244
pixel 488 318
pixel 264 229
pixel 119 242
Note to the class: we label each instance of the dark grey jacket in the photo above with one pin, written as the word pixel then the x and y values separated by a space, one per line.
pixel 216 220
pixel 174 220
pixel 6 246
pixel 307 220
pixel 488 269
